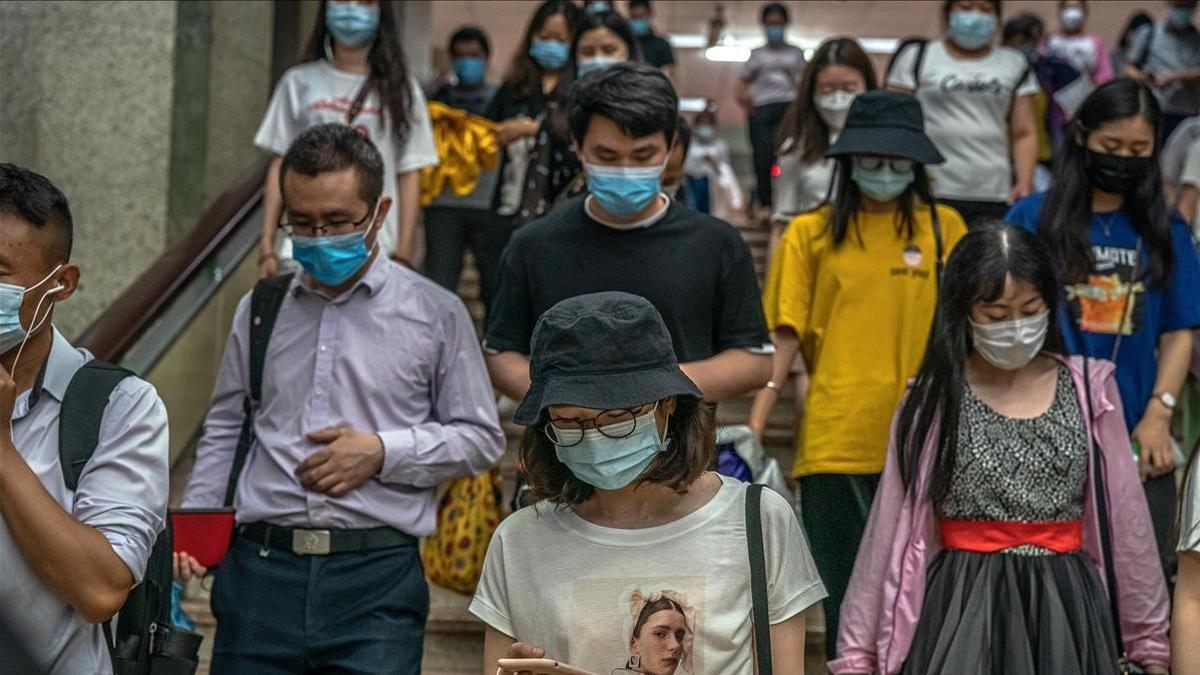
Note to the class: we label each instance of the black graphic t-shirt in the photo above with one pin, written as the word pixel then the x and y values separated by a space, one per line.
pixel 966 103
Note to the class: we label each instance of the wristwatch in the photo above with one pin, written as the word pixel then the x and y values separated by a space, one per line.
pixel 1167 399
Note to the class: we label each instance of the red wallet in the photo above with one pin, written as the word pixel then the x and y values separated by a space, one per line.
pixel 204 534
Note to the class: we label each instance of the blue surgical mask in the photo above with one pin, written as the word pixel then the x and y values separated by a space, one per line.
pixel 585 66
pixel 972 29
pixel 549 54
pixel 599 7
pixel 352 24
pixel 331 261
pixel 640 27
pixel 470 70
pixel 613 463
pixel 706 132
pixel 624 190
pixel 1180 17
pixel 775 34
pixel 883 184
pixel 12 333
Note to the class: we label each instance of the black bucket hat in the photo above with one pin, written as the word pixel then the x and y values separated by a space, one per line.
pixel 886 123
pixel 605 351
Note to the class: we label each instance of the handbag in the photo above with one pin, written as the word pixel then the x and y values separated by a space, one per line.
pixel 468 515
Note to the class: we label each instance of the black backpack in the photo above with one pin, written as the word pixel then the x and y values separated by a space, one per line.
pixel 145 643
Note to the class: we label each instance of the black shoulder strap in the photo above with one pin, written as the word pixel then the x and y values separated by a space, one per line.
pixel 1012 100
pixel 758 579
pixel 917 63
pixel 1100 489
pixel 82 412
pixel 265 301
pixel 1141 60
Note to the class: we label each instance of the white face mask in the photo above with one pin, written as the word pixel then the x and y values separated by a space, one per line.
pixel 1011 345
pixel 1071 17
pixel 834 106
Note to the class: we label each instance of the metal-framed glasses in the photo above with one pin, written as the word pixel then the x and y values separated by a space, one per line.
pixel 874 163
pixel 566 432
pixel 332 228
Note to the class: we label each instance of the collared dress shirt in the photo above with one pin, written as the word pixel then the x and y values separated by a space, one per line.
pixel 394 355
pixel 122 494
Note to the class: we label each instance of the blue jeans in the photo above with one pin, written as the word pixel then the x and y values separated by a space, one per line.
pixel 341 613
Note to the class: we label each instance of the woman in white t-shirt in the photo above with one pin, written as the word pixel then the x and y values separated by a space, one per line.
pixel 839 71
pixel 637 557
pixel 978 101
pixel 1086 51
pixel 356 75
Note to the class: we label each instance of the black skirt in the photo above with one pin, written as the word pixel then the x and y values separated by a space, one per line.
pixel 994 613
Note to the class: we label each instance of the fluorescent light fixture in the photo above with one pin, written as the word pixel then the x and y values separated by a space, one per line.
pixel 871 45
pixel 687 40
pixel 692 104
pixel 728 53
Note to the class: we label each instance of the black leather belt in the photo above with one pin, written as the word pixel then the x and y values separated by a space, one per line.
pixel 324 542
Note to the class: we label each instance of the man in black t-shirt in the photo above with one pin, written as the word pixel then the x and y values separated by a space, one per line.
pixel 626 235
pixel 656 50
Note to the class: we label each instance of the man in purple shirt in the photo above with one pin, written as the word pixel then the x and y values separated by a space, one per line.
pixel 374 391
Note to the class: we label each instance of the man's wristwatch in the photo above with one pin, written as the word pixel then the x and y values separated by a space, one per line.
pixel 1167 399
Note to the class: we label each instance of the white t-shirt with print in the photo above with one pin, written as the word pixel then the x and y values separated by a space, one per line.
pixel 966 104
pixel 316 93
pixel 556 580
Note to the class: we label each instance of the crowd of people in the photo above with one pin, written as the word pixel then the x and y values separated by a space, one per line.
pixel 982 279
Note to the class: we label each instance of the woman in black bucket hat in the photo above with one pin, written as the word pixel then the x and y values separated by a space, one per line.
pixel 636 559
pixel 852 289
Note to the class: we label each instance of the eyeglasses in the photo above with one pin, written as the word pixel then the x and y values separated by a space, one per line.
pixel 615 424
pixel 333 228
pixel 874 163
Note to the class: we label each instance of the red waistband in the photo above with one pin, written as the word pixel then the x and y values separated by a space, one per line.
pixel 989 536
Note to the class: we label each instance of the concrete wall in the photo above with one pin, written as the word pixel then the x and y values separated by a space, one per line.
pixel 85 90
pixel 141 112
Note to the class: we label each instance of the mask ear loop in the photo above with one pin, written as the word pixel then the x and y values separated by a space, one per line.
pixel 37 324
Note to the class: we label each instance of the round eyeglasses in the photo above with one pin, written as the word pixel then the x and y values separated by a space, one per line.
pixel 566 432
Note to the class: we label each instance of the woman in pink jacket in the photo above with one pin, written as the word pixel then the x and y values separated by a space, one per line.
pixel 987 548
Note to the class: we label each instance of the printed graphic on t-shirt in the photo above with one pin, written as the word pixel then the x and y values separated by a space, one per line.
pixel 972 83
pixel 639 625
pixel 1108 302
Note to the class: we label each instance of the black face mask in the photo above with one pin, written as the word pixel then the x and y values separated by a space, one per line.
pixel 1114 173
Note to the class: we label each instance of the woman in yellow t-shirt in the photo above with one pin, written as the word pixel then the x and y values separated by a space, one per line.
pixel 852 288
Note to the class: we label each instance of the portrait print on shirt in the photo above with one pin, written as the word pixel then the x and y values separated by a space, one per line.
pixel 1108 302
pixel 645 626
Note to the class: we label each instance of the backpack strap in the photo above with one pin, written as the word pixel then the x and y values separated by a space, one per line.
pixel 82 412
pixel 758 579
pixel 265 301
pixel 1012 100
pixel 938 248
pixel 917 63
pixel 1141 60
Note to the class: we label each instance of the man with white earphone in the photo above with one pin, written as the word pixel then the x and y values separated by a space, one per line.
pixel 69 556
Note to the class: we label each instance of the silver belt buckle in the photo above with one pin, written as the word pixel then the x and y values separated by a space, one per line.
pixel 310 542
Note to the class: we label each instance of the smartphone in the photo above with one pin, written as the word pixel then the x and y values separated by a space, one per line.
pixel 541 667
pixel 204 534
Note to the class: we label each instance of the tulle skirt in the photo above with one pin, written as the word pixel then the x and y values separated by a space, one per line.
pixel 1002 613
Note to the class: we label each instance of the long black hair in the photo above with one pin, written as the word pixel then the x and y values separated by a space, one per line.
pixel 802 123
pixel 976 271
pixel 1065 221
pixel 524 74
pixel 846 201
pixel 388 69
pixel 608 20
